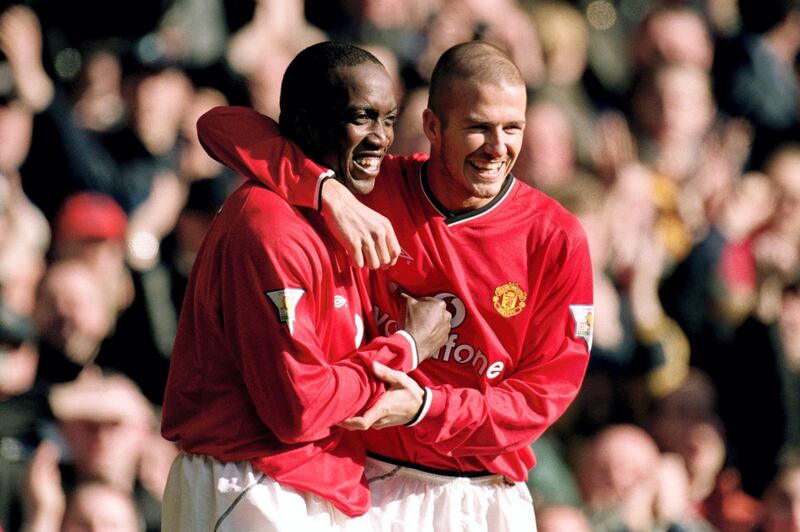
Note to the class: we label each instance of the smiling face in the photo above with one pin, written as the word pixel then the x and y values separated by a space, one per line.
pixel 361 126
pixel 475 140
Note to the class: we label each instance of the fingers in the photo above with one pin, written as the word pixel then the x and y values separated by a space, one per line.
pixel 366 421
pixel 392 247
pixel 353 423
pixel 357 257
pixel 380 247
pixel 371 256
pixel 390 376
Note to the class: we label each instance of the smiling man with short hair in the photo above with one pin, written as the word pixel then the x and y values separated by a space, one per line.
pixel 270 354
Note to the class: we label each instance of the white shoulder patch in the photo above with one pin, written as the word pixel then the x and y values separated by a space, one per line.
pixel 285 301
pixel 583 315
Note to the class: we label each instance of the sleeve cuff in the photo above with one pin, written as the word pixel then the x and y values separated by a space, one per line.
pixel 318 192
pixel 423 409
pixel 414 352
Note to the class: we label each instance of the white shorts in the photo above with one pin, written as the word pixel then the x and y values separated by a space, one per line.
pixel 410 500
pixel 205 495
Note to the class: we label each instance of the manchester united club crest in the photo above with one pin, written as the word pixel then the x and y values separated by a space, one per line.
pixel 509 299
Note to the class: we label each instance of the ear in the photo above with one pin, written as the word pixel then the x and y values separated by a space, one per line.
pixel 305 129
pixel 431 125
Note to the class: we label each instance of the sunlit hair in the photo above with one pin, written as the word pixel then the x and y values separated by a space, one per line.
pixel 478 61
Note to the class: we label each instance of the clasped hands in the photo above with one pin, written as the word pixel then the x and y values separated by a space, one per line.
pixel 428 321
pixel 397 406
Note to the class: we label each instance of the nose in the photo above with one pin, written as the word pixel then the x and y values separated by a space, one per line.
pixel 495 143
pixel 381 134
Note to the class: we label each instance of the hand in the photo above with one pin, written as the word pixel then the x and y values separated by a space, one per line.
pixel 366 235
pixel 21 42
pixel 44 499
pixel 396 407
pixel 428 321
pixel 616 147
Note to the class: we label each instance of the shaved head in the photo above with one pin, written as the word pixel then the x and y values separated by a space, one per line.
pixel 476 61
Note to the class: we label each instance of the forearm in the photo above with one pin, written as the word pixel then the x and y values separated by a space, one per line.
pixel 472 422
pixel 251 144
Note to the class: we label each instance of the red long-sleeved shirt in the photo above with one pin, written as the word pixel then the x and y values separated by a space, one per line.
pixel 269 355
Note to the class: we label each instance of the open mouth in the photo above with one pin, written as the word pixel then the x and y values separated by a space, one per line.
pixel 488 170
pixel 368 164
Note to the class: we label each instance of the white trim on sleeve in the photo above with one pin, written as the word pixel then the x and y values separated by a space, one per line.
pixel 423 410
pixel 414 352
pixel 318 189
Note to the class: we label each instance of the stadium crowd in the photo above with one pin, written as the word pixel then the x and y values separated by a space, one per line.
pixel 672 129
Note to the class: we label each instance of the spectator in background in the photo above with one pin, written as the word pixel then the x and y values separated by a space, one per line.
pixel 106 424
pixel 686 422
pixel 23 410
pixel 409 136
pixel 776 249
pixel 547 160
pixel 782 500
pixel 90 227
pixel 500 22
pixel 398 25
pixel 764 356
pixel 561 519
pixel 24 232
pixel 617 476
pixel 99 105
pixel 124 162
pixel 755 77
pixel 97 506
pixel 281 28
pixel 91 506
pixel 672 33
pixel 628 485
pixel 564 37
pixel 72 317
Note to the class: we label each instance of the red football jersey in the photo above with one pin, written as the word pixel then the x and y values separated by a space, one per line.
pixel 516 275
pixel 269 356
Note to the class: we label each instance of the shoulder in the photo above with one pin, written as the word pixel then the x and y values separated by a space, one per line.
pixel 253 214
pixel 394 164
pixel 548 216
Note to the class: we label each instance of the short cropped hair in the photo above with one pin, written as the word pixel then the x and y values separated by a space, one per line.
pixel 310 84
pixel 475 60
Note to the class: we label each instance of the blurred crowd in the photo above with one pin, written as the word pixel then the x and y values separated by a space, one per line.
pixel 672 129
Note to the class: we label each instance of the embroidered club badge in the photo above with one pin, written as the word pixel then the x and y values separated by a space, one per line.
pixel 509 299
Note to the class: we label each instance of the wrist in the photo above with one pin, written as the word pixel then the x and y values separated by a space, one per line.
pixel 328 193
pixel 423 408
pixel 322 197
pixel 415 361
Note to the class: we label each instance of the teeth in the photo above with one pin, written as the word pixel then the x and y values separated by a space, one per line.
pixel 369 162
pixel 487 166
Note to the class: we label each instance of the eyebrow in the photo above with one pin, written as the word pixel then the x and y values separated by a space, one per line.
pixel 472 121
pixel 364 107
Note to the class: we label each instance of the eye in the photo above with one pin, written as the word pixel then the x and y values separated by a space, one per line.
pixel 390 120
pixel 360 118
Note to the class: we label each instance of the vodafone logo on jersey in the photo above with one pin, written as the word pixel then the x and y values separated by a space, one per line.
pixel 452 351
